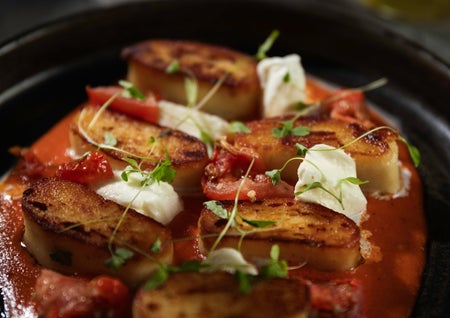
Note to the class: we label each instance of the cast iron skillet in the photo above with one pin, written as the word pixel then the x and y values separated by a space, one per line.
pixel 44 72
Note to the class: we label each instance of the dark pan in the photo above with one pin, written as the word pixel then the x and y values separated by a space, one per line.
pixel 44 72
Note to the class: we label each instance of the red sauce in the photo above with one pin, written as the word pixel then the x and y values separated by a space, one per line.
pixel 390 277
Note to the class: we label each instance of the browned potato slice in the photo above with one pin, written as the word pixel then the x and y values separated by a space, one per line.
pixel 305 232
pixel 238 96
pixel 192 295
pixel 188 154
pixel 376 155
pixel 68 228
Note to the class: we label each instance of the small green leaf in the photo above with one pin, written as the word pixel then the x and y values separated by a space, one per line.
pixel 156 246
pixel 132 162
pixel 300 131
pixel 259 223
pixel 301 150
pixel 274 175
pixel 217 208
pixel 118 258
pixel 287 77
pixel 191 266
pixel 414 152
pixel 130 91
pixel 275 252
pixel 173 67
pixel 299 106
pixel 353 180
pixel 243 280
pixel 275 267
pixel 163 171
pixel 310 186
pixel 109 138
pixel 284 130
pixel 124 175
pixel 191 91
pixel 157 278
pixel 238 126
pixel 267 44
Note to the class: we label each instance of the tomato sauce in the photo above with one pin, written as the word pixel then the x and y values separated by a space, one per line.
pixel 390 275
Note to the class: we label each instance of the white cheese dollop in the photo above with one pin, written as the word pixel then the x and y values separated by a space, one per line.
pixel 191 121
pixel 283 82
pixel 329 167
pixel 158 201
pixel 230 260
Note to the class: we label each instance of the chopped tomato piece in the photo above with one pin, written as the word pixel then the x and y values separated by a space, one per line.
pixel 350 107
pixel 90 169
pixel 63 296
pixel 143 109
pixel 223 176
pixel 337 296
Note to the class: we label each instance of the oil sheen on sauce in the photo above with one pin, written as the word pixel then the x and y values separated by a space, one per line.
pixel 390 276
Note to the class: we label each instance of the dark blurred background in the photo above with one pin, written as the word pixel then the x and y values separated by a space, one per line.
pixel 427 22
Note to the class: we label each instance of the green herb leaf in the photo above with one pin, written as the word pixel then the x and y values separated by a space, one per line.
pixel 414 152
pixel 238 126
pixel 243 282
pixel 191 91
pixel 158 277
pixel 353 180
pixel 310 186
pixel 156 246
pixel 259 223
pixel 118 258
pixel 287 127
pixel 130 91
pixel 284 130
pixel 109 138
pixel 287 77
pixel 300 131
pixel 173 67
pixel 301 150
pixel 274 175
pixel 299 106
pixel 192 266
pixel 267 44
pixel 217 208
pixel 275 267
pixel 162 172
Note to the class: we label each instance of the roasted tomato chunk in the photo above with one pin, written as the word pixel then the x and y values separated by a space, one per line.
pixel 143 109
pixel 232 170
pixel 63 296
pixel 89 169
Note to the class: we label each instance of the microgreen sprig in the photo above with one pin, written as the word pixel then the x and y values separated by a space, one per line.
pixel 266 45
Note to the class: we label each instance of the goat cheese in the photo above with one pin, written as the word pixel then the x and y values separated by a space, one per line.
pixel 283 82
pixel 191 121
pixel 158 201
pixel 330 167
pixel 230 260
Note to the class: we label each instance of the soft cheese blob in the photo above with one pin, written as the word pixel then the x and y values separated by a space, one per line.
pixel 330 167
pixel 191 121
pixel 230 260
pixel 283 82
pixel 158 201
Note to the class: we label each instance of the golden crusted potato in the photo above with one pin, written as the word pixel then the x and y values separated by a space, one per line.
pixel 376 155
pixel 238 96
pixel 192 295
pixel 68 228
pixel 188 155
pixel 305 232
